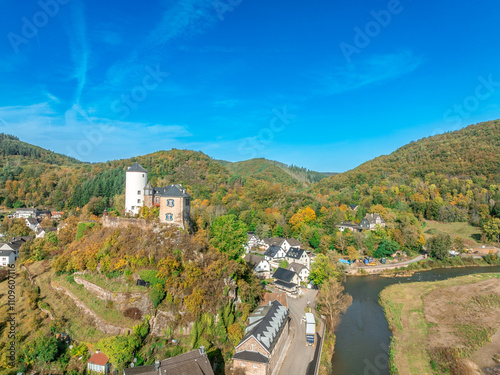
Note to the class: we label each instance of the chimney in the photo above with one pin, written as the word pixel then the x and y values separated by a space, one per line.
pixel 157 365
pixel 202 350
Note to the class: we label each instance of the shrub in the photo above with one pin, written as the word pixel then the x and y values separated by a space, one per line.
pixel 133 313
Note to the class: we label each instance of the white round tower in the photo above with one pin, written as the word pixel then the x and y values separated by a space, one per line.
pixel 136 179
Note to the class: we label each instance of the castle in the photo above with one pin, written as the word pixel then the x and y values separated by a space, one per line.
pixel 173 200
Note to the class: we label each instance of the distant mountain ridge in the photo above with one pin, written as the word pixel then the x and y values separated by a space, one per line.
pixel 33 176
pixel 465 154
pixel 274 171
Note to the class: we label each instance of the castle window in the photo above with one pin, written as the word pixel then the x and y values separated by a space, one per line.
pixel 138 192
pixel 143 175
pixel 138 201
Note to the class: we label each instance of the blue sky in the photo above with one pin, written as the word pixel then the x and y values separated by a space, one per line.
pixel 326 85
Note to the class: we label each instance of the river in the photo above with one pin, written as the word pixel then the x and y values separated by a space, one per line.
pixel 363 335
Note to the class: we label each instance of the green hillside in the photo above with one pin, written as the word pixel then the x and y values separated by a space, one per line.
pixel 449 177
pixel 467 153
pixel 273 171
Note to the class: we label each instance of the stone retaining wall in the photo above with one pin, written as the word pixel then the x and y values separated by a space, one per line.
pixel 98 321
pixel 121 301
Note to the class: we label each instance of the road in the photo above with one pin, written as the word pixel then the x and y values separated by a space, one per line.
pixel 382 266
pixel 299 356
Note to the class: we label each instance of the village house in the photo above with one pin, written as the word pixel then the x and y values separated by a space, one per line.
pixel 253 241
pixel 7 257
pixel 297 255
pixel 261 349
pixel 14 244
pixel 274 252
pixel 259 265
pixel 24 213
pixel 173 201
pixel 301 270
pixel 32 223
pixel 194 362
pixel 286 280
pixel 42 231
pixel 371 221
pixel 99 362
pixel 284 243
pixel 57 214
pixel 353 227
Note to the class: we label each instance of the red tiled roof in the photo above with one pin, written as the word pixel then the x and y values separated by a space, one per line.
pixel 99 359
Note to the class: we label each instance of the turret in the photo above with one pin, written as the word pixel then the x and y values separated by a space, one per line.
pixel 136 179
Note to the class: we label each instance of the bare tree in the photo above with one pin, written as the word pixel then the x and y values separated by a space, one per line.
pixel 332 301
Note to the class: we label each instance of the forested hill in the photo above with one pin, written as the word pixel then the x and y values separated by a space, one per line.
pixel 274 172
pixel 11 147
pixel 465 154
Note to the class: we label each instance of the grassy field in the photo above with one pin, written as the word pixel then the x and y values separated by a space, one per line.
pixel 404 308
pixel 459 229
pixel 103 309
pixel 117 285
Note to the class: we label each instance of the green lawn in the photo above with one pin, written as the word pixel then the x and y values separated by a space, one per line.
pixel 460 229
pixel 103 309
pixel 116 285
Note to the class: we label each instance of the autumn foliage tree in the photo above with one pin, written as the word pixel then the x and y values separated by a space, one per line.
pixel 228 234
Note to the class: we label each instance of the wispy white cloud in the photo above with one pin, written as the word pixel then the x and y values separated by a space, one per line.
pixel 375 69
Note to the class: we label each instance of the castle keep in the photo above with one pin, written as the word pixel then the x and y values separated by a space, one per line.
pixel 173 200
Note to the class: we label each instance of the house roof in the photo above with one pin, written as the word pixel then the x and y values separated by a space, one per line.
pixel 348 224
pixel 13 245
pixel 253 260
pixel 194 362
pixel 266 325
pixel 295 253
pixel 6 253
pixel 136 168
pixel 45 229
pixel 373 217
pixel 141 370
pixel 25 209
pixel 249 356
pixel 296 267
pixel 99 359
pixel 353 206
pixel 32 220
pixel 251 235
pixel 279 296
pixel 284 275
pixel 272 251
pixel 294 242
pixel 171 191
pixel 285 285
